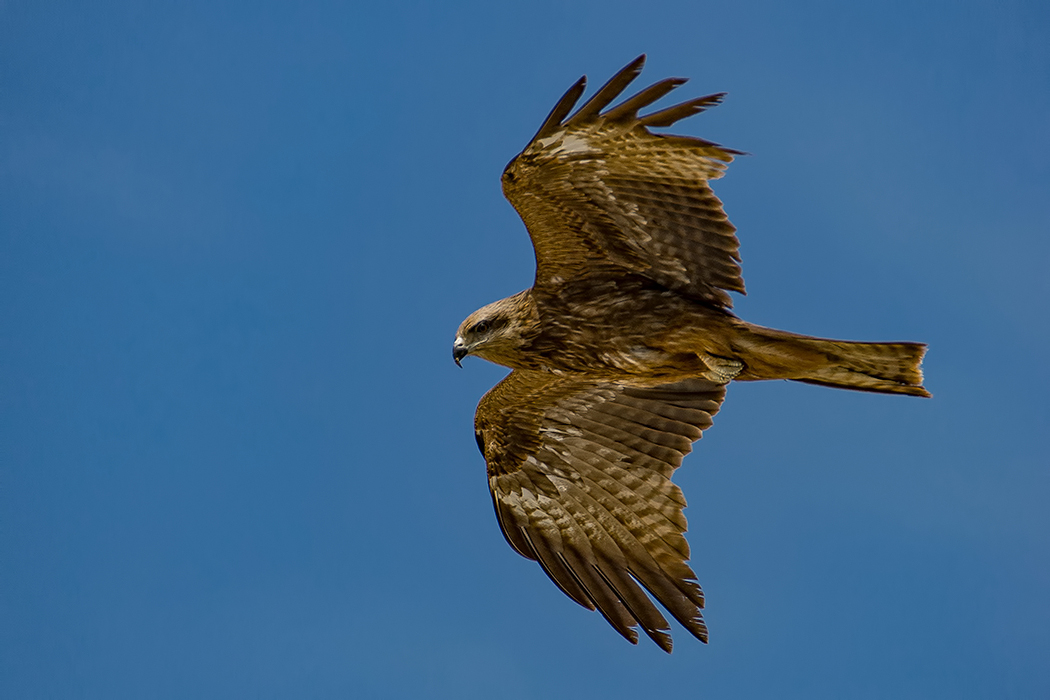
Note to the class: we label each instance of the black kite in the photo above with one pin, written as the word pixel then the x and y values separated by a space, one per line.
pixel 622 350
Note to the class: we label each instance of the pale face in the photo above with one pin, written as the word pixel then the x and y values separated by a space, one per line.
pixel 479 330
pixel 493 332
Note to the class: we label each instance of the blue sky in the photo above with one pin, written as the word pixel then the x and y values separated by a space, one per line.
pixel 236 459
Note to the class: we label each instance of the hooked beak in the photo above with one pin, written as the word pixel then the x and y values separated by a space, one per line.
pixel 459 351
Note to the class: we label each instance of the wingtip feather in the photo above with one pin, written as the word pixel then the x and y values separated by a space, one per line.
pixel 670 115
pixel 628 109
pixel 561 110
pixel 608 92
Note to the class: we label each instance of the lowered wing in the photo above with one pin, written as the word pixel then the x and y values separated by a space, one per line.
pixel 580 474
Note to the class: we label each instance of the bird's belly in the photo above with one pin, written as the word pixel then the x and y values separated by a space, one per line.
pixel 636 358
pixel 620 328
pixel 616 357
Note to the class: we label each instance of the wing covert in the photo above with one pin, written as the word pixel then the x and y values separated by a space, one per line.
pixel 580 478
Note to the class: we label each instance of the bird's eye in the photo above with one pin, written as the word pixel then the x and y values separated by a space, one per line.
pixel 482 327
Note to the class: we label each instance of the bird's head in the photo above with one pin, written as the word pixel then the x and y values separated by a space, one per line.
pixel 495 332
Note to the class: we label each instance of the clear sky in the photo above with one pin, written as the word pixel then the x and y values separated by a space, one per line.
pixel 237 461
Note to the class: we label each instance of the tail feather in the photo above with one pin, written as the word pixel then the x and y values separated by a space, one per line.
pixel 889 368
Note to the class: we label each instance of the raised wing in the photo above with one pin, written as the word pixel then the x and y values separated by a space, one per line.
pixel 580 474
pixel 599 187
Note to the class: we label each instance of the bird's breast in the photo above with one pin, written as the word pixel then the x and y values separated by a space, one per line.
pixel 616 327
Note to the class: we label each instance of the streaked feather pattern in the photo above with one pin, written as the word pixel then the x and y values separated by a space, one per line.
pixel 597 186
pixel 592 500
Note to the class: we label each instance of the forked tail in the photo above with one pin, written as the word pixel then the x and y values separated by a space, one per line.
pixel 888 368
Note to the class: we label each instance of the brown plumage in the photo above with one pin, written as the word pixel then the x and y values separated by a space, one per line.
pixel 622 350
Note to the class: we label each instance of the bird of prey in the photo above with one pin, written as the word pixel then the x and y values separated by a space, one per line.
pixel 622 349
